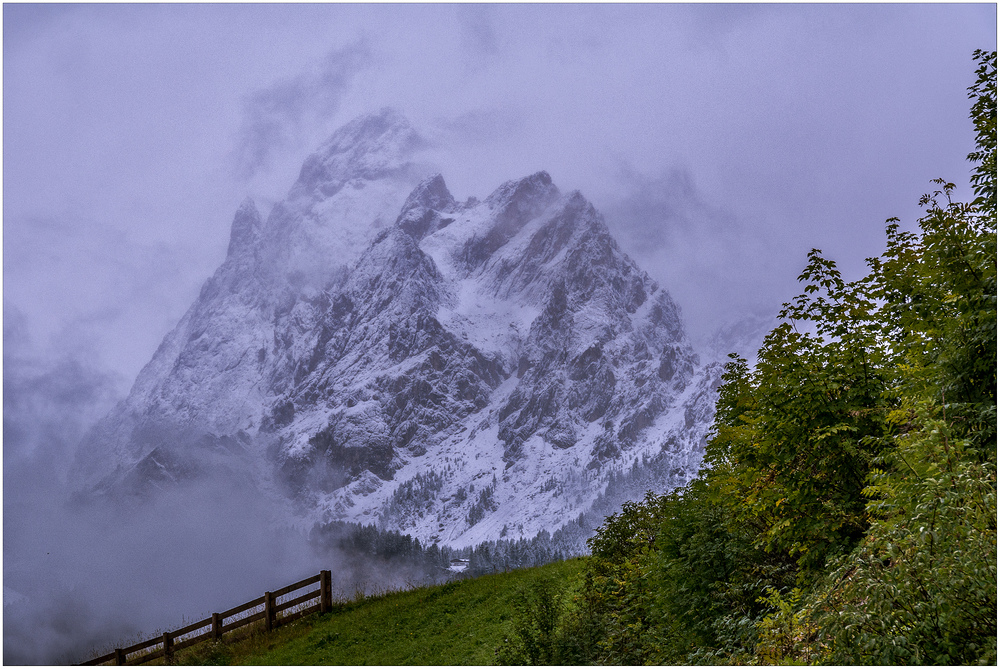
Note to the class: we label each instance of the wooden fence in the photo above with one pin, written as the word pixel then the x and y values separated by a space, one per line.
pixel 212 629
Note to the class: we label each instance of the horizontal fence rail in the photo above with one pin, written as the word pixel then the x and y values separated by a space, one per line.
pixel 268 608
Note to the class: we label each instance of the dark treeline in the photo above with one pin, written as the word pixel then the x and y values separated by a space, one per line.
pixel 846 512
pixel 502 555
pixel 375 556
pixel 383 559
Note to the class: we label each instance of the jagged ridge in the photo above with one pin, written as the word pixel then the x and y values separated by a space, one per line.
pixel 500 345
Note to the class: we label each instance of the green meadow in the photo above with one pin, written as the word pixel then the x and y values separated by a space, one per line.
pixel 462 622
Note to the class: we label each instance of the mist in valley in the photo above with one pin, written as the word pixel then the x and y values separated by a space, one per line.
pixel 86 571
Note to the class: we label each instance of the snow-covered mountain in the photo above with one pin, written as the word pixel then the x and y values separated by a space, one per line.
pixel 377 351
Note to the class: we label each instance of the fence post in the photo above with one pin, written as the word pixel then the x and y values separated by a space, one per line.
pixel 325 592
pixel 168 648
pixel 119 657
pixel 268 612
pixel 216 627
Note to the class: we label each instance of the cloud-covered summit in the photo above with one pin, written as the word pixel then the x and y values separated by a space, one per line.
pixel 513 327
pixel 278 118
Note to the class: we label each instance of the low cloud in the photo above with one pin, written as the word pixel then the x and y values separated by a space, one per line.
pixel 89 575
pixel 477 35
pixel 480 126
pixel 718 266
pixel 48 403
pixel 81 573
pixel 276 116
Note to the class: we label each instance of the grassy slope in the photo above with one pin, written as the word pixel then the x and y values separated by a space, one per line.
pixel 458 623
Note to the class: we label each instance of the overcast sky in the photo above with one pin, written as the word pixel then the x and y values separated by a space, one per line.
pixel 722 142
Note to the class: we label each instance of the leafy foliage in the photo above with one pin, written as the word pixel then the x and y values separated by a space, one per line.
pixel 617 583
pixel 921 589
pixel 603 618
pixel 796 436
pixel 708 576
pixel 984 115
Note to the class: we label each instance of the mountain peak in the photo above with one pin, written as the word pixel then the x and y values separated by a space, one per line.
pixel 537 186
pixel 372 146
pixel 372 131
pixel 421 211
pixel 431 193
pixel 246 228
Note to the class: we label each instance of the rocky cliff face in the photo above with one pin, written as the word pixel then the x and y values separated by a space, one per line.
pixel 218 372
pixel 457 370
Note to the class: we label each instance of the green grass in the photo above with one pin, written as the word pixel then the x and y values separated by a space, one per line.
pixel 457 623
